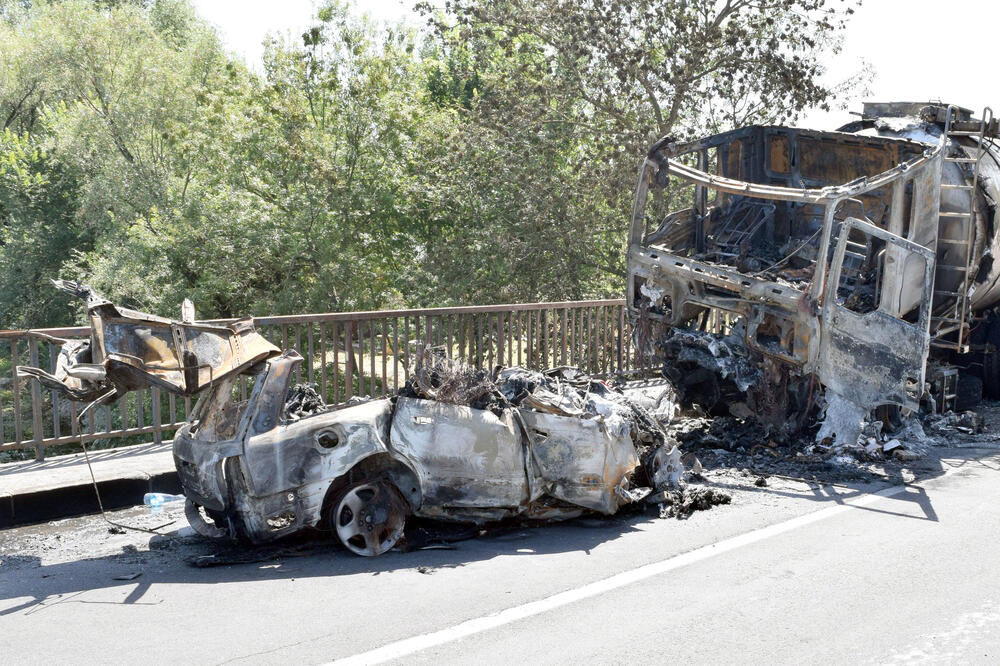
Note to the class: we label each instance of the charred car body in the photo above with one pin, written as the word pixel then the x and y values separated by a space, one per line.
pixel 849 268
pixel 360 470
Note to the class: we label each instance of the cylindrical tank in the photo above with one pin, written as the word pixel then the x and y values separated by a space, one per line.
pixel 923 122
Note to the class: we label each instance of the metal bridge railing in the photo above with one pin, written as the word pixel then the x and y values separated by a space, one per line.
pixel 347 354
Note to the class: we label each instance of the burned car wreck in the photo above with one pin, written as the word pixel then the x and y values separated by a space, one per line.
pixel 456 444
pixel 822 275
pixel 515 444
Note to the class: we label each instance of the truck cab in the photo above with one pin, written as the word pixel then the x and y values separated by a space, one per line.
pixel 779 258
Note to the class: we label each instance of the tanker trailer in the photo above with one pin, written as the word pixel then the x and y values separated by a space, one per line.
pixel 775 270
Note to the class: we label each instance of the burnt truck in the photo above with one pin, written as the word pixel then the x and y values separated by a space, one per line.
pixel 775 270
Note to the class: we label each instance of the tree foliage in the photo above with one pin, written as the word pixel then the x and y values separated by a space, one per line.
pixel 488 156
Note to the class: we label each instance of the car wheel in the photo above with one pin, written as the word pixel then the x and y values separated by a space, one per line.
pixel 200 523
pixel 368 517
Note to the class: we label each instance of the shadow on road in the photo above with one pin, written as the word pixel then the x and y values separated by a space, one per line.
pixel 173 559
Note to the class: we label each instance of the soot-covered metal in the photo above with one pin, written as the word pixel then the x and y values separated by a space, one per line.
pixel 819 276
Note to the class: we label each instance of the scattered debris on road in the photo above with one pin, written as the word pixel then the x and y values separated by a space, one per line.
pixel 682 502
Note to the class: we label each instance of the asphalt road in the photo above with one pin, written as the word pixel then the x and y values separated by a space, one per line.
pixel 789 573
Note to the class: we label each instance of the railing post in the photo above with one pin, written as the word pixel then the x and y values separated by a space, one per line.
pixel 157 422
pixel 543 316
pixel 336 363
pixel 349 352
pixel 54 395
pixel 36 404
pixel 371 357
pixel 500 340
pixel 15 387
pixel 384 353
pixel 406 349
pixel 621 334
pixel 395 353
pixel 479 341
pixel 322 360
pixel 311 355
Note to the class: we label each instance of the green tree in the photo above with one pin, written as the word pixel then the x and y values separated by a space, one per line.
pixel 300 187
pixel 565 99
pixel 490 158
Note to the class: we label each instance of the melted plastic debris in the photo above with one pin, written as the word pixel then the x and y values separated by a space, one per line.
pixel 303 400
pixel 682 502
pixel 452 381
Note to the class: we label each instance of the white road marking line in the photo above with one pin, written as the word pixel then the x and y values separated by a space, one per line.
pixel 408 646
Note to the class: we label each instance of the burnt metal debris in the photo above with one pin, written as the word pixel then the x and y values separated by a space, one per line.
pixel 303 400
pixel 822 276
pixel 456 444
pixel 130 350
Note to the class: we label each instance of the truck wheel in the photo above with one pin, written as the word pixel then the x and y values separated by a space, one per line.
pixel 991 374
pixel 991 361
pixel 969 392
pixel 368 517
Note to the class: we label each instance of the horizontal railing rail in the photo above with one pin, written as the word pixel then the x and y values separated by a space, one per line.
pixel 347 354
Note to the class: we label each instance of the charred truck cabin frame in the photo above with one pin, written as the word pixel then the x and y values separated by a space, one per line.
pixel 819 267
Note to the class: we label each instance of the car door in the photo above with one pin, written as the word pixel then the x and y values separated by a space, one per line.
pixel 465 457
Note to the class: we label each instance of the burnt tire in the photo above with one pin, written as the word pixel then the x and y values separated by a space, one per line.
pixel 368 517
pixel 968 393
pixel 991 374
pixel 892 418
pixel 991 361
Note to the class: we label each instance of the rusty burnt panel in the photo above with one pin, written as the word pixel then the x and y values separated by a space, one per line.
pixel 131 350
pixel 182 358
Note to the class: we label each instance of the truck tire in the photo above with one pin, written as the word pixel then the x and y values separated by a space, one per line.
pixel 969 392
pixel 991 361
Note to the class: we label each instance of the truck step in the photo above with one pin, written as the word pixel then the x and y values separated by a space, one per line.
pixel 962 160
pixel 945 331
pixel 945 213
pixel 945 186
pixel 944 344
